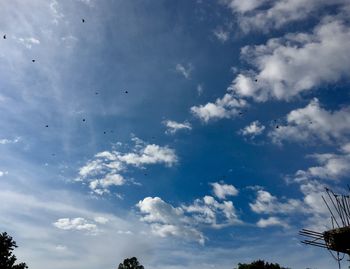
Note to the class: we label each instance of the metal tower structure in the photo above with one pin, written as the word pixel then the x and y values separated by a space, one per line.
pixel 338 238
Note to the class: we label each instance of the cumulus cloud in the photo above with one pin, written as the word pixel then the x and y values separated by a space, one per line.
pixel 107 169
pixel 265 15
pixel 185 221
pixel 253 129
pixel 271 221
pixel 173 126
pixel 286 67
pixel 331 166
pixel 166 220
pixel 213 213
pixel 314 122
pixel 225 107
pixel 315 214
pixel 185 70
pixel 78 224
pixel 266 203
pixel 223 190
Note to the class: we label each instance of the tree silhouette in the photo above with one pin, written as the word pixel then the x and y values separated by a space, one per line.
pixel 7 259
pixel 131 263
pixel 260 264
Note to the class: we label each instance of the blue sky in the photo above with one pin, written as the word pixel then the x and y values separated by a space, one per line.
pixel 191 134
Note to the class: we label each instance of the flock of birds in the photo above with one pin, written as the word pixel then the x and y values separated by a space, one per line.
pixel 126 92
pixel 96 93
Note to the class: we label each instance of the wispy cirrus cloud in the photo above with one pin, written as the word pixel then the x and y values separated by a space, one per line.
pixel 184 70
pixel 5 141
pixel 173 126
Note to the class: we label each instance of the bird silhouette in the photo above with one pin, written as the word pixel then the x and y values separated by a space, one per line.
pixel 4 36
pixel 104 132
pixel 126 92
pixel 83 119
pixel 277 127
pixel 33 61
pixel 46 126
pixel 83 20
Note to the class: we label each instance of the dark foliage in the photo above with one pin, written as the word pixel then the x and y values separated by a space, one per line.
pixel 260 264
pixel 7 259
pixel 131 263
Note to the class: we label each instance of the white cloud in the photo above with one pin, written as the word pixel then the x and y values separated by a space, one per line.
pixel 213 213
pixel 267 204
pixel 2 173
pixel 79 224
pixel 331 166
pixel 173 126
pixel 185 221
pixel 166 220
pixel 265 15
pixel 286 67
pixel 243 6
pixel 101 220
pixel 185 70
pixel 28 42
pixel 199 89
pixel 313 122
pixel 107 181
pixel 225 107
pixel 61 248
pixel 221 35
pixel 253 129
pixel 107 168
pixel 222 190
pixel 150 154
pixel 271 221
pixel 5 141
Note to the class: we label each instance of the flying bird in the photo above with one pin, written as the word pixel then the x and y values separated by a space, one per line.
pixel 104 132
pixel 33 61
pixel 83 119
pixel 46 126
pixel 256 80
pixel 277 127
pixel 126 92
pixel 83 20
pixel 4 36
